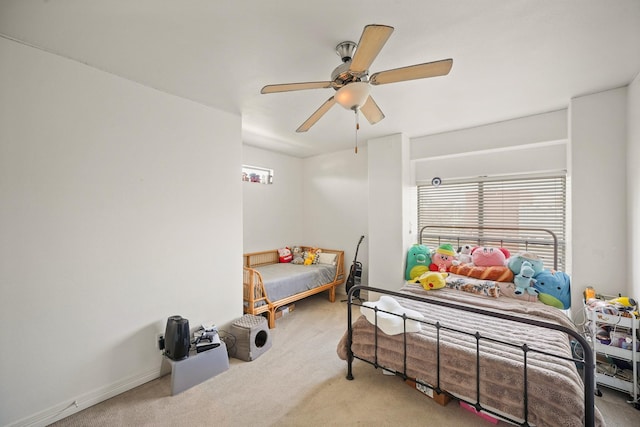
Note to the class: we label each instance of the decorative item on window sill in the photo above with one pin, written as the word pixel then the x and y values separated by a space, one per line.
pixel 257 174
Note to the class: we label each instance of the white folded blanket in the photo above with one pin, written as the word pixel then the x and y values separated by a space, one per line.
pixel 391 324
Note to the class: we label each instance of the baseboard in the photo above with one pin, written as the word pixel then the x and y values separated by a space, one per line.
pixel 63 410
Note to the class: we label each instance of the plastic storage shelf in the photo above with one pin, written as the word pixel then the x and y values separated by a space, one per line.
pixel 631 355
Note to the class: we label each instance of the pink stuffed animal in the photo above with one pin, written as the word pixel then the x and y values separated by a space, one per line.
pixel 486 256
pixel 442 258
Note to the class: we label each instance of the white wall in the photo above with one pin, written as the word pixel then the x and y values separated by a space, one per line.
pixel 389 175
pixel 633 186
pixel 273 214
pixel 533 158
pixel 335 199
pixel 598 132
pixel 505 135
pixel 121 206
pixel 538 144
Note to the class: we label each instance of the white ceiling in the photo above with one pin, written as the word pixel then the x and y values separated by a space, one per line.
pixel 511 58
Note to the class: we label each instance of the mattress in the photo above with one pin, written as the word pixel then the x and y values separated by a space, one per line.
pixel 285 279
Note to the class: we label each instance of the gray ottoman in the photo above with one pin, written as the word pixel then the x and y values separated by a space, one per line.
pixel 252 337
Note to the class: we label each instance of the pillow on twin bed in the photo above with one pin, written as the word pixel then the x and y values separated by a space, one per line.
pixel 326 258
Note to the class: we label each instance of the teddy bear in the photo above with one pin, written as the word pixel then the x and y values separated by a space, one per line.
pixel 418 260
pixel 487 256
pixel 464 255
pixel 524 280
pixel 442 258
pixel 298 257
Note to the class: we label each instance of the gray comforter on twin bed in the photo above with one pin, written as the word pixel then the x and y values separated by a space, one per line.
pixel 285 279
pixel 555 388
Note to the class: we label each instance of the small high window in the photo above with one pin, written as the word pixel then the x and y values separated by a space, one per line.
pixel 257 174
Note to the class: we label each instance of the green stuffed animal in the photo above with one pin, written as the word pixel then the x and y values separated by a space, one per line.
pixel 418 260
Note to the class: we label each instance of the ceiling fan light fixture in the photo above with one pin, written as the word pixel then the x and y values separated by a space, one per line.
pixel 352 96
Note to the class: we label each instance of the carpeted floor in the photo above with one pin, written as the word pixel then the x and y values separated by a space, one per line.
pixel 300 381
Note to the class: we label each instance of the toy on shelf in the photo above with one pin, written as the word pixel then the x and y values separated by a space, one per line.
pixel 619 306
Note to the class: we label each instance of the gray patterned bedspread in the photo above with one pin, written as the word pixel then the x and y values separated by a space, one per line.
pixel 554 385
pixel 285 279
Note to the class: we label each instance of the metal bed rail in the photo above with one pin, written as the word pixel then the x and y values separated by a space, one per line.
pixel 537 237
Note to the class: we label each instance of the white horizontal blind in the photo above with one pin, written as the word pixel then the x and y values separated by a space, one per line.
pixel 514 203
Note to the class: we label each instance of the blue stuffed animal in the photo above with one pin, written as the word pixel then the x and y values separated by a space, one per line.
pixel 554 289
pixel 524 280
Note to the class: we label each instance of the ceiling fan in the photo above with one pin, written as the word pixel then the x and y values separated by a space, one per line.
pixel 351 79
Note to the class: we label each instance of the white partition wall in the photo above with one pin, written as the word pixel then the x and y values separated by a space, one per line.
pixel 598 174
pixel 389 213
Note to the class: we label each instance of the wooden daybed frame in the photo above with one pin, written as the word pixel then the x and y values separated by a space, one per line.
pixel 254 290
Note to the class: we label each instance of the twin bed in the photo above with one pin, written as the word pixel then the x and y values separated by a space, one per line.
pixel 516 360
pixel 269 284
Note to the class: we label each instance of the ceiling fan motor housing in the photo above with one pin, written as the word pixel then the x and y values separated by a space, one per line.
pixel 341 76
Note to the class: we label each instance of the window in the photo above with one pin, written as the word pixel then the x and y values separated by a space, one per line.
pixel 257 174
pixel 516 203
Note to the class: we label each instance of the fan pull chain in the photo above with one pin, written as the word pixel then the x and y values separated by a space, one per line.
pixel 357 128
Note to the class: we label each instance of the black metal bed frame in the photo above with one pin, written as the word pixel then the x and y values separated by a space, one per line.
pixel 585 361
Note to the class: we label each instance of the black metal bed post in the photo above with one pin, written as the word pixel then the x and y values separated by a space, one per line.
pixel 349 335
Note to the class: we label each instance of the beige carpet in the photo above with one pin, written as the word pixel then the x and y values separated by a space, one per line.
pixel 300 381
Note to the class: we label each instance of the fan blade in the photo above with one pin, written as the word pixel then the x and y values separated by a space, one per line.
pixel 371 42
pixel 371 111
pixel 317 115
pixel 419 71
pixel 287 87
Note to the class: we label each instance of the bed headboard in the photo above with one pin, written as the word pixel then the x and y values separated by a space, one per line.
pixel 541 241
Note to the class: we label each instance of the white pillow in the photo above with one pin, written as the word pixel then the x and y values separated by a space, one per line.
pixel 327 258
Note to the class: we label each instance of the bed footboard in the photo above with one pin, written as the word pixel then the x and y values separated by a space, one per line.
pixel 255 298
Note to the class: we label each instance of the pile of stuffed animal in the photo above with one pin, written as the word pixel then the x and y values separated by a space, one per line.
pixel 525 270
pixel 297 255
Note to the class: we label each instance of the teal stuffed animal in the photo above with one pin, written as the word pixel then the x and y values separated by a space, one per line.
pixel 515 262
pixel 418 260
pixel 524 280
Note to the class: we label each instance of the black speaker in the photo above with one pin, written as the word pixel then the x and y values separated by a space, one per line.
pixel 177 338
